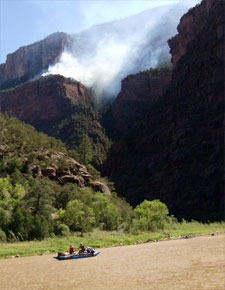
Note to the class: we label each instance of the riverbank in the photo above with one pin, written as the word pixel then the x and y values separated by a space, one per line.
pixel 102 239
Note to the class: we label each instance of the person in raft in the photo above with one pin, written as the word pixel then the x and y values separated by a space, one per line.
pixel 81 249
pixel 90 251
pixel 71 250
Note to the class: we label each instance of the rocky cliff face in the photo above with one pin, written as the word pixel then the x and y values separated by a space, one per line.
pixel 191 24
pixel 46 99
pixel 29 61
pixel 175 153
pixel 58 106
pixel 138 93
pixel 64 169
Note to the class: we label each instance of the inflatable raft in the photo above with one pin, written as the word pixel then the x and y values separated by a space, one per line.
pixel 76 256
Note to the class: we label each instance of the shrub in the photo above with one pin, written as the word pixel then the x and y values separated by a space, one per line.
pixel 2 236
pixel 94 172
pixel 41 228
pixel 150 215
pixel 77 216
pixel 63 230
pixel 106 213
pixel 4 217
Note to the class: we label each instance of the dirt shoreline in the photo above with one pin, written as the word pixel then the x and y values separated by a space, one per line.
pixel 188 236
pixel 197 263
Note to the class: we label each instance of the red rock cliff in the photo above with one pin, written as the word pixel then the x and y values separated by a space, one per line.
pixel 45 99
pixel 189 27
pixel 58 106
pixel 28 61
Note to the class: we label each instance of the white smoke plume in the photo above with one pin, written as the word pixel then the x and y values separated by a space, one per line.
pixel 104 54
pixel 96 70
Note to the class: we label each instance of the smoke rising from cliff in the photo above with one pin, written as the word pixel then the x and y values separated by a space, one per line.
pixel 96 69
pixel 104 54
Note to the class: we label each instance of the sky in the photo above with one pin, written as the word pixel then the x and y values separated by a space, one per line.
pixel 23 22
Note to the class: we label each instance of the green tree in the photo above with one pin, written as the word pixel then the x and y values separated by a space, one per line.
pixel 85 151
pixel 21 223
pixel 106 213
pixel 4 218
pixel 40 196
pixel 150 215
pixel 2 236
pixel 10 195
pixel 125 211
pixel 94 172
pixel 5 193
pixel 41 228
pixel 77 216
pixel 64 194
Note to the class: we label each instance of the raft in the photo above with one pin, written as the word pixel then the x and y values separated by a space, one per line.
pixel 76 256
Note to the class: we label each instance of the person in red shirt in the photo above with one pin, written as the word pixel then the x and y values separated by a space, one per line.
pixel 71 250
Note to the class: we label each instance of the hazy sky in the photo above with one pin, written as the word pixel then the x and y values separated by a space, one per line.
pixel 23 22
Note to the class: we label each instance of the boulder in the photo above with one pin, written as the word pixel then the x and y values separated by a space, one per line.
pixel 100 186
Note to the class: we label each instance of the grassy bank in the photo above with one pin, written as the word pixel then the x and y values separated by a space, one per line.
pixel 101 239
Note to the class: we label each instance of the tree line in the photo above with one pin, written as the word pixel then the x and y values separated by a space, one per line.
pixel 36 207
pixel 43 209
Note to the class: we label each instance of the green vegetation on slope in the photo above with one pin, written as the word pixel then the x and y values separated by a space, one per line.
pixel 82 120
pixel 33 206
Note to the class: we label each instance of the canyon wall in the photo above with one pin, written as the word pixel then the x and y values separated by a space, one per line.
pixel 60 107
pixel 175 153
pixel 29 61
pixel 45 99
pixel 138 93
